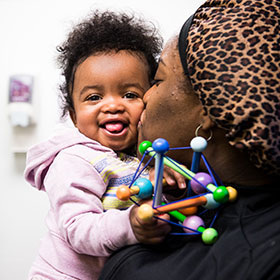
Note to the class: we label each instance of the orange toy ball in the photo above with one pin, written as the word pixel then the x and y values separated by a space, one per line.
pixel 123 193
pixel 232 193
pixel 188 210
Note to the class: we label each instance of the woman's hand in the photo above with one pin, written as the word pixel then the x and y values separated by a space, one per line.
pixel 151 231
pixel 172 178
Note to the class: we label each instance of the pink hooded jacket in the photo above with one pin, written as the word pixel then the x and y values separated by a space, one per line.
pixel 75 172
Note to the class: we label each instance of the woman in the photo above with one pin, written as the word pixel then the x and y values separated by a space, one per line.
pixel 222 75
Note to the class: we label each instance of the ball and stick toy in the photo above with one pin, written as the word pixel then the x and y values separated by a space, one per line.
pixel 204 191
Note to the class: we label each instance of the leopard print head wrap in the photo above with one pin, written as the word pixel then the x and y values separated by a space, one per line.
pixel 231 53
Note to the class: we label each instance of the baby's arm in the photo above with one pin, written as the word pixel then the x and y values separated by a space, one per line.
pixel 75 189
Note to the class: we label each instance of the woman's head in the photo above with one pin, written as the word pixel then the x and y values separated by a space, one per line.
pixel 172 110
pixel 232 58
pixel 104 32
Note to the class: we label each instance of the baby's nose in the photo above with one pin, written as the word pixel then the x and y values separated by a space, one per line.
pixel 113 105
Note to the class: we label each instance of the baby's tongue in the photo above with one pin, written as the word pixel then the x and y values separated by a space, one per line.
pixel 114 127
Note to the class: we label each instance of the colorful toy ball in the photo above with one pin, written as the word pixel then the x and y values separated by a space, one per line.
pixel 123 193
pixel 209 236
pixel 198 144
pixel 160 146
pixel 193 223
pixel 145 188
pixel 221 194
pixel 144 146
pixel 232 194
pixel 203 179
pixel 145 212
pixel 188 211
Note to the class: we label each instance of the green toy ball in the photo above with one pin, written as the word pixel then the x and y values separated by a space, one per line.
pixel 144 146
pixel 209 236
pixel 221 194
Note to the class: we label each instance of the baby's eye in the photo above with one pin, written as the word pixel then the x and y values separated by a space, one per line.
pixel 131 95
pixel 94 97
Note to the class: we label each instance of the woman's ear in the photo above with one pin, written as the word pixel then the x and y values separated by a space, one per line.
pixel 205 128
pixel 207 123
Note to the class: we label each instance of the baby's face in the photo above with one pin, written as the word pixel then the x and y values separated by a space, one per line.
pixel 107 95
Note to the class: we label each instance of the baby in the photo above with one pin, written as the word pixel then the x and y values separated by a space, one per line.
pixel 108 62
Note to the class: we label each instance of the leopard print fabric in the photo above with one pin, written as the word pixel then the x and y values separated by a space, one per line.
pixel 233 58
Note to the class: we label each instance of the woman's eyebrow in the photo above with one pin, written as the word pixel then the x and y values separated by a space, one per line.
pixel 161 61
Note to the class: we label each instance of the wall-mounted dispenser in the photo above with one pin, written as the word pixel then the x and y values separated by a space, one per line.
pixel 21 113
pixel 20 109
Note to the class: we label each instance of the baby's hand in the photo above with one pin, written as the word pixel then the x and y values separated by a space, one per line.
pixel 150 231
pixel 172 178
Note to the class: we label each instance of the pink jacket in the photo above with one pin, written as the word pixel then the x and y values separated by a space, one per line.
pixel 81 235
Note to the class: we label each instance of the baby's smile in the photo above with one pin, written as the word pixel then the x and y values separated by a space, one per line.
pixel 115 127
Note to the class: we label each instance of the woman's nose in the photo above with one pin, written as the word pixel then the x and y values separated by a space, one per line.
pixel 147 96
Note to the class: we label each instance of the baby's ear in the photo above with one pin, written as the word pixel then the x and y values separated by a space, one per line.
pixel 73 116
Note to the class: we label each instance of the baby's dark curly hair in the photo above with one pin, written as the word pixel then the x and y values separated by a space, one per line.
pixel 104 32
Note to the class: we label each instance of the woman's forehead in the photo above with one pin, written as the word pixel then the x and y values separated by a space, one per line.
pixel 170 47
pixel 169 58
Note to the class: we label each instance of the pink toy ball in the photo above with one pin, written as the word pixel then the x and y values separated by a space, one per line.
pixel 198 144
pixel 204 179
pixel 192 222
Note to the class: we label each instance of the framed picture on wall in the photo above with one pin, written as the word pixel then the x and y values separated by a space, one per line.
pixel 21 87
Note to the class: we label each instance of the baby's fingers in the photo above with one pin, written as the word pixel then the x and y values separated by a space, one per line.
pixel 148 230
pixel 154 230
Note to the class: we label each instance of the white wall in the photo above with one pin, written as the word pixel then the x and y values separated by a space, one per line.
pixel 29 32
